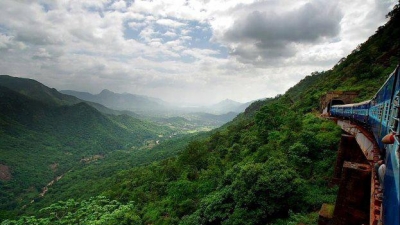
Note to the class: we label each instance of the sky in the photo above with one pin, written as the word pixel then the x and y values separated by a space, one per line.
pixel 182 51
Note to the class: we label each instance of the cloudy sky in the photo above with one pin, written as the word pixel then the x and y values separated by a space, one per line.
pixel 182 51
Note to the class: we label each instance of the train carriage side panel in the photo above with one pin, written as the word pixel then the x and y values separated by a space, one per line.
pixel 333 111
pixel 337 111
pixel 343 111
pixel 360 111
pixel 380 109
pixel 391 199
pixel 347 111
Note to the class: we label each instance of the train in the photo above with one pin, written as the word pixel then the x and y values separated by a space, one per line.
pixel 380 115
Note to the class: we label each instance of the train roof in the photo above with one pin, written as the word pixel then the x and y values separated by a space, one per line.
pixel 361 103
pixel 353 104
pixel 339 106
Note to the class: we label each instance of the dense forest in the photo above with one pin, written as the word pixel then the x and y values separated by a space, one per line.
pixel 271 165
pixel 44 135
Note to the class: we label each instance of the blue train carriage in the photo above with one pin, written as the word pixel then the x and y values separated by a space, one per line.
pixel 391 193
pixel 380 109
pixel 343 111
pixel 337 111
pixel 348 111
pixel 360 111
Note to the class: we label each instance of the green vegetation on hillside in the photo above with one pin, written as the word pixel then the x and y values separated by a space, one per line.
pixel 42 140
pixel 237 175
pixel 90 178
pixel 270 165
pixel 99 210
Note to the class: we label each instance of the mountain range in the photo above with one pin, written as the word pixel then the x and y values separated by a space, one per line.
pixel 147 105
pixel 131 102
pixel 45 133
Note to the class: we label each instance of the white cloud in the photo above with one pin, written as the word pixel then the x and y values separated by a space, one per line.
pixel 136 16
pixel 200 53
pixel 136 25
pixel 119 5
pixel 148 33
pixel 42 53
pixel 163 48
pixel 175 45
pixel 170 23
pixel 186 38
pixel 170 34
pixel 5 41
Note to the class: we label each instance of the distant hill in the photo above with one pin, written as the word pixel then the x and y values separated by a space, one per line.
pixel 36 90
pixel 223 107
pixel 216 120
pixel 45 133
pixel 144 105
pixel 227 106
pixel 198 120
pixel 157 110
pixel 136 103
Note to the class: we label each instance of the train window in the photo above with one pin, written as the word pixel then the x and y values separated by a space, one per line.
pixel 374 112
pixel 387 107
pixel 380 111
pixel 392 117
pixel 383 111
pixel 395 114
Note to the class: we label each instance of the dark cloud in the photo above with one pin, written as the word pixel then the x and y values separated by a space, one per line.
pixel 272 35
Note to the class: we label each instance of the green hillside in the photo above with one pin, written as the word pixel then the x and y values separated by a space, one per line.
pixel 36 90
pixel 270 165
pixel 135 103
pixel 43 138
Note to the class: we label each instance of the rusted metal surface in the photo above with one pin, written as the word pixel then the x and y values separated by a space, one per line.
pixel 376 201
pixel 352 204
pixel 363 138
pixel 350 151
pixel 371 151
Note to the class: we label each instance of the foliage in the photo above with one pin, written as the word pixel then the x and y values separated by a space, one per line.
pixel 98 210
pixel 270 165
pixel 42 140
pixel 234 176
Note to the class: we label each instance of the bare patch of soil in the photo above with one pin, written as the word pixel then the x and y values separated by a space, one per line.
pixel 54 167
pixel 91 159
pixel 5 173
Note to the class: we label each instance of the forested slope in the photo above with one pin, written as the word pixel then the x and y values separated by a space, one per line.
pixel 271 165
pixel 44 137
